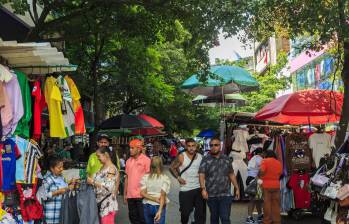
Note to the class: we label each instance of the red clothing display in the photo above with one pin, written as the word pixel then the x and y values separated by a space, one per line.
pixel 39 105
pixel 299 184
pixel 29 204
pixel 173 151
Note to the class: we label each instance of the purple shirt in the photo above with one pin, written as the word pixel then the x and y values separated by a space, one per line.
pixel 13 91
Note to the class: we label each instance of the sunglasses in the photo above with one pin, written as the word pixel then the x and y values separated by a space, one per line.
pixel 211 145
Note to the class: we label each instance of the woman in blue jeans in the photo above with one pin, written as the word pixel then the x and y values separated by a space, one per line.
pixel 154 188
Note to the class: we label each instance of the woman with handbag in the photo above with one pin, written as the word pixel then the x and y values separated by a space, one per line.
pixel 255 201
pixel 106 184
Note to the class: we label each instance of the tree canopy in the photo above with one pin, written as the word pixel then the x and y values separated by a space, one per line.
pixel 325 21
pixel 132 55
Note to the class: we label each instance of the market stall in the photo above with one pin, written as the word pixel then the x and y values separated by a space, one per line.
pixel 303 152
pixel 39 103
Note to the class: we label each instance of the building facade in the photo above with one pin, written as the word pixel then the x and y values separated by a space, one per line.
pixel 307 69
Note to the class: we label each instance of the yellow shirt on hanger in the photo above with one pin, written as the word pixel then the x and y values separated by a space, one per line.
pixel 54 103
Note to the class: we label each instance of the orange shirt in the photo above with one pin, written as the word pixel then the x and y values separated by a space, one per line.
pixel 135 170
pixel 271 170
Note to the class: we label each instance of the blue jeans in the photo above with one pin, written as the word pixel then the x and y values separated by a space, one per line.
pixel 220 209
pixel 150 212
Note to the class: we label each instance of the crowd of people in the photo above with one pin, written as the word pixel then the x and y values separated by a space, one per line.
pixel 204 181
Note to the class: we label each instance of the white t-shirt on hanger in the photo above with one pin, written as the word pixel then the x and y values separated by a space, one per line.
pixel 320 143
pixel 240 142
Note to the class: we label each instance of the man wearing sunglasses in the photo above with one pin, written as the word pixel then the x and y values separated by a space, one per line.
pixel 216 175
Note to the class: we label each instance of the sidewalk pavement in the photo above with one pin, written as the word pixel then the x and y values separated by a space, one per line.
pixel 238 211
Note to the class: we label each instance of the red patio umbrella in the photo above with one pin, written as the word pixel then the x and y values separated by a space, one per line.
pixel 304 107
pixel 152 121
pixel 148 132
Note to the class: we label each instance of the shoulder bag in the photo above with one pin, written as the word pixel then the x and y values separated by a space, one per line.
pixel 187 167
pixel 251 188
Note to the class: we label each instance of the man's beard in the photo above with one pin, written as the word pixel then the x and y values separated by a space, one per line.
pixel 215 153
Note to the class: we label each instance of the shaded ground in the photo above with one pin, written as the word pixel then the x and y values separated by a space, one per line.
pixel 238 211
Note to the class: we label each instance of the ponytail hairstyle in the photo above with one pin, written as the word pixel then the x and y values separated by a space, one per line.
pixel 111 153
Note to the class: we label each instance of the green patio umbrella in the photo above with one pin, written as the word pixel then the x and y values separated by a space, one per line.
pixel 226 79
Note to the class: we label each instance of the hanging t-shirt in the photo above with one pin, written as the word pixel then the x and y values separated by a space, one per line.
pixel 32 156
pixel 2 98
pixel 320 143
pixel 6 109
pixel 298 153
pixel 10 153
pixel 5 74
pixel 23 126
pixel 79 113
pixel 15 96
pixel 54 102
pixel 22 145
pixel 39 105
pixel 240 140
pixel 299 184
pixel 67 107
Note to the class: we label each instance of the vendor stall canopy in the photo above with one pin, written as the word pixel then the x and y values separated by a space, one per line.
pixel 34 58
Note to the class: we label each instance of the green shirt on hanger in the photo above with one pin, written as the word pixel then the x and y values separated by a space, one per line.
pixel 23 125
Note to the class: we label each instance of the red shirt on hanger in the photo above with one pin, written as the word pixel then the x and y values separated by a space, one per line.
pixel 39 105
pixel 299 184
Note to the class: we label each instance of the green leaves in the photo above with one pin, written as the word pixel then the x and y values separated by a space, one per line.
pixel 270 84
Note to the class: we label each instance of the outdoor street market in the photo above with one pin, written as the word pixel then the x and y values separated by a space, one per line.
pixel 155 112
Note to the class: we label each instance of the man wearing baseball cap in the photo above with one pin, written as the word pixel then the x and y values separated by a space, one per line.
pixel 93 164
pixel 136 166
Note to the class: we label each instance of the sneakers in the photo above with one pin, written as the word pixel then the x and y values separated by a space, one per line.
pixel 260 218
pixel 250 220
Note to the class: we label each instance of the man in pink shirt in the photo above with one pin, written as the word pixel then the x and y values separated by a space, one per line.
pixel 136 166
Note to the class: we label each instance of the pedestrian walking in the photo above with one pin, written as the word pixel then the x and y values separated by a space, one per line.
pixel 255 201
pixel 106 184
pixel 136 167
pixel 54 186
pixel 186 169
pixel 270 173
pixel 155 187
pixel 216 175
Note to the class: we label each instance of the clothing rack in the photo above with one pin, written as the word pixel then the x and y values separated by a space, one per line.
pixel 274 126
pixel 43 70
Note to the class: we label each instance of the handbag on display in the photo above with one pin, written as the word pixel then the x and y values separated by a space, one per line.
pixel 331 190
pixel 344 202
pixel 343 192
pixel 331 213
pixel 318 179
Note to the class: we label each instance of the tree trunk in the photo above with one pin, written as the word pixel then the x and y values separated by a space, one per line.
pixel 93 140
pixel 343 124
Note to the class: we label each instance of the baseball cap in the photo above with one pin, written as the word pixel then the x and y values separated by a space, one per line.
pixel 103 136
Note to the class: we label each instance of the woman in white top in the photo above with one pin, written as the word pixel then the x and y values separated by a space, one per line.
pixel 154 188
